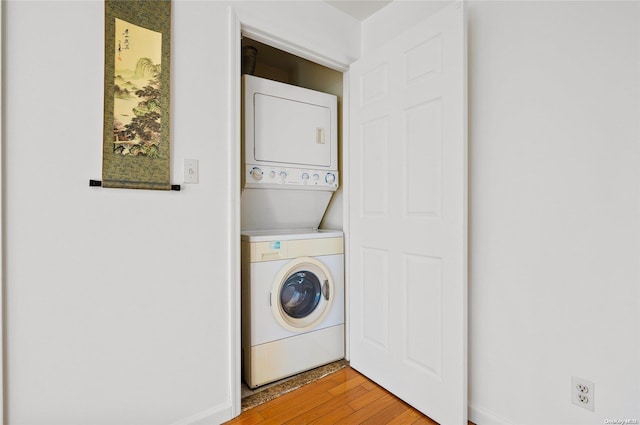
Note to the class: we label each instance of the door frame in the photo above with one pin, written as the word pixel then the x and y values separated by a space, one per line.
pixel 263 32
pixel 3 383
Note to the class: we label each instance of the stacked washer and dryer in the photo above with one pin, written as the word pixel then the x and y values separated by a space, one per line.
pixel 292 273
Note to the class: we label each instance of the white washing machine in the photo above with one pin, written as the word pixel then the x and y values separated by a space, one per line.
pixel 292 302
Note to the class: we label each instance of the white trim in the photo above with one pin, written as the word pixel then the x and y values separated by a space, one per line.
pixel 257 34
pixel 466 200
pixel 638 202
pixel 481 416
pixel 2 330
pixel 235 350
pixel 346 98
pixel 214 415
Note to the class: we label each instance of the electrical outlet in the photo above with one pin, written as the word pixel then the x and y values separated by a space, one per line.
pixel 583 393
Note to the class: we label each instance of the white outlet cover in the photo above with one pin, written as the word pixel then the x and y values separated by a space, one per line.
pixel 583 393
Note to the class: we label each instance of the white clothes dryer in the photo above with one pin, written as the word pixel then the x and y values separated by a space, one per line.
pixel 292 302
pixel 290 155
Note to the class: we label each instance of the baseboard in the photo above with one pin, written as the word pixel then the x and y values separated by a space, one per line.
pixel 214 415
pixel 480 416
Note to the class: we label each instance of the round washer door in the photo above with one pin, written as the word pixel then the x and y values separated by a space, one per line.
pixel 302 294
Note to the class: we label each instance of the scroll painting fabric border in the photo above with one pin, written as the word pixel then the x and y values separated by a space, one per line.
pixel 136 142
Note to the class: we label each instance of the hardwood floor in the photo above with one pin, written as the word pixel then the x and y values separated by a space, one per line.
pixel 344 397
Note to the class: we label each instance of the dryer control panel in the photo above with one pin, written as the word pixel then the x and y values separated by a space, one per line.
pixel 256 176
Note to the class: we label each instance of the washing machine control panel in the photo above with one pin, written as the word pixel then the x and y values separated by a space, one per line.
pixel 258 176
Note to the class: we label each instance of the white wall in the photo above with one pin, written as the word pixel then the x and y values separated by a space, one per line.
pixel 555 218
pixel 119 301
pixel 554 205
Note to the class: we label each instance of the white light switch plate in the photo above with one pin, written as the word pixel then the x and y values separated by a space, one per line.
pixel 190 169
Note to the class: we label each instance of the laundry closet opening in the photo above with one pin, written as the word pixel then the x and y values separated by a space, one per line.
pixel 292 241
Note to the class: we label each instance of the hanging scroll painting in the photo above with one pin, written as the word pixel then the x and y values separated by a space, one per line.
pixel 136 151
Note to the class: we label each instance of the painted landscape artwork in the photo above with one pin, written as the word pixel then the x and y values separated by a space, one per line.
pixel 136 150
pixel 136 104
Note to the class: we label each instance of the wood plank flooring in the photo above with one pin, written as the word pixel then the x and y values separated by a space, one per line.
pixel 344 397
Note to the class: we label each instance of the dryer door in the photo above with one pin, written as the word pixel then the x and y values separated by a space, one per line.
pixel 302 294
pixel 292 132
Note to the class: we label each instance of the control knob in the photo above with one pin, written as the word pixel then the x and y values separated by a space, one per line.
pixel 330 178
pixel 256 173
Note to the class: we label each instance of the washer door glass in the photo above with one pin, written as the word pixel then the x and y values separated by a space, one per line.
pixel 300 294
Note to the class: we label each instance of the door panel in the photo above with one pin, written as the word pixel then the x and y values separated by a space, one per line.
pixel 375 166
pixel 408 215
pixel 375 302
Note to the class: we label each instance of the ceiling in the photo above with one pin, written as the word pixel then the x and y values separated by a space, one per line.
pixel 360 9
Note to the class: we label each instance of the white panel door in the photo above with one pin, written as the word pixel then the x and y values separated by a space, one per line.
pixel 408 216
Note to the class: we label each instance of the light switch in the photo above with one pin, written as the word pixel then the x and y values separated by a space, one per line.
pixel 190 169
